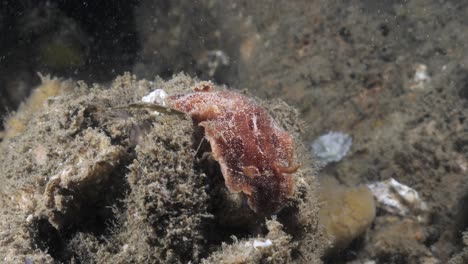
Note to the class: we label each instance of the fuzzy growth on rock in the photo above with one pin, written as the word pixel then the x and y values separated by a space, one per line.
pixel 91 180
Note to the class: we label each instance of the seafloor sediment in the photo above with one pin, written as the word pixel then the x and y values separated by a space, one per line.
pixel 86 179
pixel 390 74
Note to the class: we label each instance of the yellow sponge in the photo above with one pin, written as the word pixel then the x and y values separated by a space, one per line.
pixel 346 212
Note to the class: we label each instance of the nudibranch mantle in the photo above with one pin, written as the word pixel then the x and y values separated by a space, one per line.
pixel 256 156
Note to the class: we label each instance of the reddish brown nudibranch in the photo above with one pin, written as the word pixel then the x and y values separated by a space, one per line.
pixel 256 156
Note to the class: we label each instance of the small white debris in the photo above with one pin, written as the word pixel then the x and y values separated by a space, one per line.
pixel 157 96
pixel 262 244
pixel 462 163
pixel 421 78
pixel 125 248
pixel 29 218
pixel 259 244
pixel 332 146
pixel 397 198
pixel 40 155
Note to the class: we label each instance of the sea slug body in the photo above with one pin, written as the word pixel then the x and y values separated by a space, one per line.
pixel 256 156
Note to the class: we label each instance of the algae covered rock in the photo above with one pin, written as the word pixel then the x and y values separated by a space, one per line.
pixel 274 248
pixel 50 87
pixel 91 180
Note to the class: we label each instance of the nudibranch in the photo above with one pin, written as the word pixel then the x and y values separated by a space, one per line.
pixel 255 155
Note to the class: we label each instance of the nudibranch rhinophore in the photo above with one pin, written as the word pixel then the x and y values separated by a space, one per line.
pixel 255 155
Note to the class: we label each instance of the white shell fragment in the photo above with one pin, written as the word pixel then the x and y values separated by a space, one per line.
pixel 421 78
pixel 262 244
pixel 259 244
pixel 397 198
pixel 157 96
pixel 332 146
